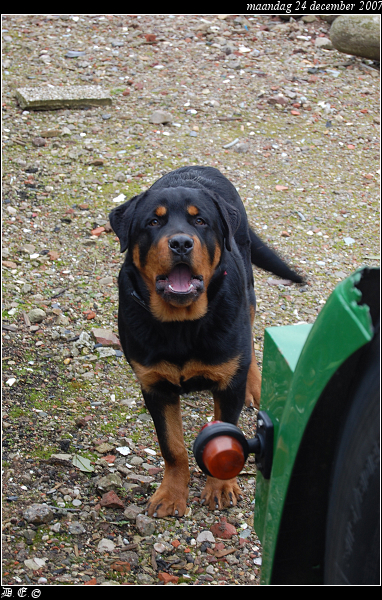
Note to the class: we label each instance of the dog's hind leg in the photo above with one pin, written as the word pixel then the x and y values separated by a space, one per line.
pixel 253 388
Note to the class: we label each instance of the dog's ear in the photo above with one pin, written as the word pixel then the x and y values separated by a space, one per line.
pixel 230 218
pixel 121 219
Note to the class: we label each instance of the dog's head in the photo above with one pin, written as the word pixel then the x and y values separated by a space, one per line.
pixel 175 237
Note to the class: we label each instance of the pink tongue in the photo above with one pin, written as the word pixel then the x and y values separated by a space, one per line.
pixel 179 278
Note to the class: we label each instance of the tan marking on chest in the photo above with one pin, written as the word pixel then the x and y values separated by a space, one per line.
pixel 165 371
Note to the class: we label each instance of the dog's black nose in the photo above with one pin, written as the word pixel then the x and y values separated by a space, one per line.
pixel 181 244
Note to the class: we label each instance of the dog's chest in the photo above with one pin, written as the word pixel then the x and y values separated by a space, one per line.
pixel 192 371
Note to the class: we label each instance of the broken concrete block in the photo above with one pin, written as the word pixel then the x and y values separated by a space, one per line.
pixel 71 96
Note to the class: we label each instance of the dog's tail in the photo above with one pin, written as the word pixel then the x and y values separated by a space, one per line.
pixel 265 258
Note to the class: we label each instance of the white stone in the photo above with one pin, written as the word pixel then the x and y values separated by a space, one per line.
pixel 205 536
pixel 105 545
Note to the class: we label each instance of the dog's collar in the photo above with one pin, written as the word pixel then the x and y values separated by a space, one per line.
pixel 139 300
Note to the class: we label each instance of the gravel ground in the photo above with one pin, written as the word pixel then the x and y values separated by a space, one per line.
pixel 80 457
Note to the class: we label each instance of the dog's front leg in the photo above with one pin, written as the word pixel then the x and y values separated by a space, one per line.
pixel 171 497
pixel 218 493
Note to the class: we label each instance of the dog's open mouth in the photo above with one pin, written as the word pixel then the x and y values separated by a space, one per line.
pixel 180 283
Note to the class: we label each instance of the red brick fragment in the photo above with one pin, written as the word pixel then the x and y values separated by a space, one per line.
pixel 121 566
pixel 111 500
pixel 223 529
pixel 167 578
pixel 98 230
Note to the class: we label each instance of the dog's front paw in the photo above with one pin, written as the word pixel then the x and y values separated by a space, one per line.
pixel 218 494
pixel 168 502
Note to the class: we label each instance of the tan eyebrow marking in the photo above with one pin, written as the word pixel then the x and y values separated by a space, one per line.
pixel 161 211
pixel 192 210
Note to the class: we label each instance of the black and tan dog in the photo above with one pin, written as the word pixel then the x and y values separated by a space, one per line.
pixel 186 310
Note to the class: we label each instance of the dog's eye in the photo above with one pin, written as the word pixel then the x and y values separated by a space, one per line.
pixel 154 223
pixel 200 221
